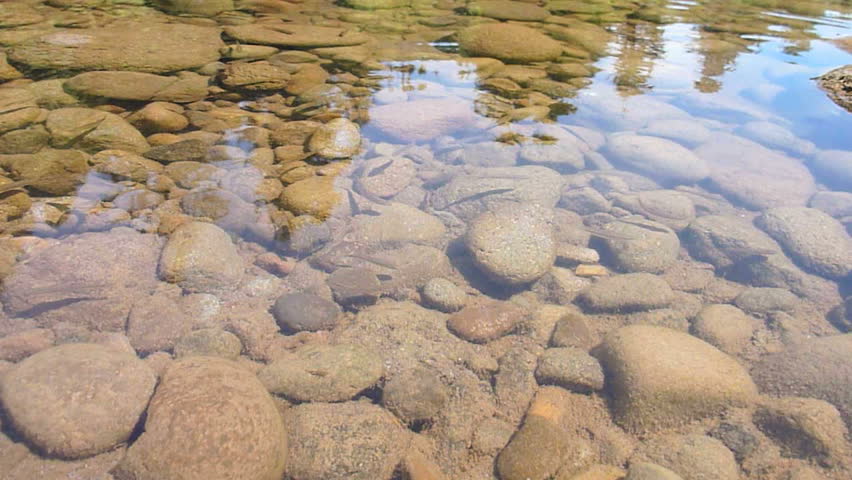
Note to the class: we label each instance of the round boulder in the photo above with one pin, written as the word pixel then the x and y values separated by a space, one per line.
pixel 77 400
pixel 339 138
pixel 815 240
pixel 297 312
pixel 662 378
pixel 201 258
pixel 209 419
pixel 512 245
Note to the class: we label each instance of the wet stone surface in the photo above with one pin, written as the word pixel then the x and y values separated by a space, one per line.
pixel 425 240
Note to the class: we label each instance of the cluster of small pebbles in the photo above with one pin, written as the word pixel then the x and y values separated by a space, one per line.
pixel 259 239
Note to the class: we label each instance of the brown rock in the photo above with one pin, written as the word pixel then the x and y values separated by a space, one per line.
pixel 18 346
pixel 485 321
pixel 661 378
pixel 77 400
pixel 209 419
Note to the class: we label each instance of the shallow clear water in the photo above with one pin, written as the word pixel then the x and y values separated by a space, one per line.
pixel 597 240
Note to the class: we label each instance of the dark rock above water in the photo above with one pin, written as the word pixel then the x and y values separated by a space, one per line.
pixel 837 84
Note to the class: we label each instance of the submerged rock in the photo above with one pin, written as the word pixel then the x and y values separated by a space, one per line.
pixel 512 245
pixel 322 373
pixel 89 280
pixel 343 441
pixel 627 293
pixel 834 167
pixel 415 395
pixel 815 240
pixel 662 378
pixel 658 158
pixel 339 138
pixel 77 400
pixel 816 367
pixel 509 43
pixel 485 321
pixel 298 312
pixel 693 457
pixel 201 258
pixel 209 419
pixel 750 174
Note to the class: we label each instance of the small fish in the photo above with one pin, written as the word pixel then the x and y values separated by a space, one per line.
pixel 378 261
pixel 609 235
pixel 480 195
pixel 381 168
pixel 642 224
pixel 353 204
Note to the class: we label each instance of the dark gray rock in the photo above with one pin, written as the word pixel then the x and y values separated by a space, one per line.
pixel 297 312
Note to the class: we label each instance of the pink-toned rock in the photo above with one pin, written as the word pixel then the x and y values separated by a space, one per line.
pixel 486 321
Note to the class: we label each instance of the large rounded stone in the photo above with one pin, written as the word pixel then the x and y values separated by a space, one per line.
pixel 201 258
pixel 661 378
pixel 313 196
pixel 343 441
pixel 512 245
pixel 323 373
pixel 658 158
pixel 77 400
pixel 339 138
pixel 816 240
pixel 508 42
pixel 210 419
